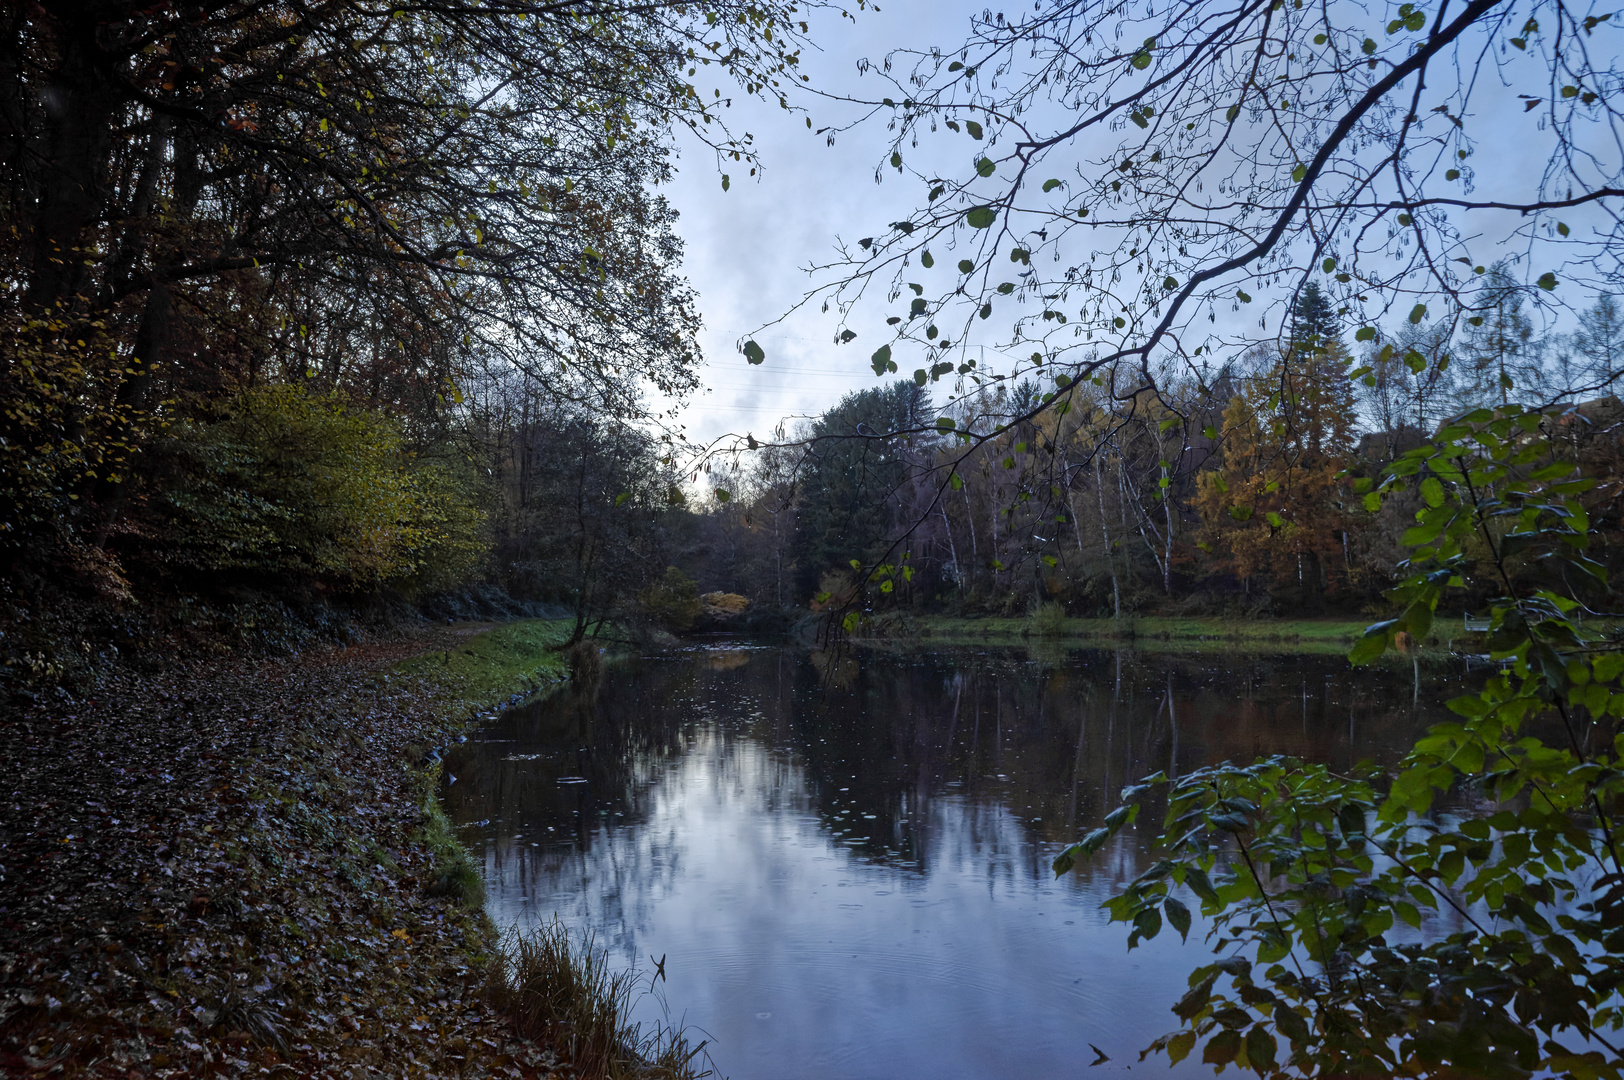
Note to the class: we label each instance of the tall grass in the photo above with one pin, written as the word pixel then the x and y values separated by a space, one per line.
pixel 1047 620
pixel 557 988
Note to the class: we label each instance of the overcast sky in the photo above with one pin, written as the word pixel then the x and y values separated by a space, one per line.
pixel 747 247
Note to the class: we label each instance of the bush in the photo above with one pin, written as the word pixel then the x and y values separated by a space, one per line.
pixel 1047 620
pixel 673 602
pixel 292 482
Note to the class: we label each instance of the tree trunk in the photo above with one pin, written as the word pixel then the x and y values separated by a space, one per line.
pixel 79 108
pixel 1105 534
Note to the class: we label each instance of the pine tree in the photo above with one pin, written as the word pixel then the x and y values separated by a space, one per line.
pixel 1273 507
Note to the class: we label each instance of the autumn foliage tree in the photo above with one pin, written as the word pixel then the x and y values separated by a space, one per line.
pixel 1274 505
pixel 371 200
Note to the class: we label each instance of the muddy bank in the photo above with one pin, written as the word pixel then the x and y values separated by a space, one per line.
pixel 228 868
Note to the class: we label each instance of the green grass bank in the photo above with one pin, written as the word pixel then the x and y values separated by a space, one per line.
pixel 1153 632
pixel 498 662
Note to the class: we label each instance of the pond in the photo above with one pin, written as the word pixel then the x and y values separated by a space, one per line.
pixel 845 864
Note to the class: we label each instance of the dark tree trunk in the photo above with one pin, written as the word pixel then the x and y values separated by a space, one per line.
pixel 79 104
pixel 1312 591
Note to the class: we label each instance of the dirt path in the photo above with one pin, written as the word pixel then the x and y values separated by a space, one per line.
pixel 219 871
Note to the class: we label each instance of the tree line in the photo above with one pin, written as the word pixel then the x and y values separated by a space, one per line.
pixel 1229 488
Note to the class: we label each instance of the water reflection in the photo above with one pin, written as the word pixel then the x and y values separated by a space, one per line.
pixel 849 877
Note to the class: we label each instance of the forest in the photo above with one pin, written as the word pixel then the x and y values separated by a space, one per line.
pixel 343 354
pixel 343 336
pixel 1232 490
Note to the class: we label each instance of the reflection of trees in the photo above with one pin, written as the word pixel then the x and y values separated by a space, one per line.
pixel 981 760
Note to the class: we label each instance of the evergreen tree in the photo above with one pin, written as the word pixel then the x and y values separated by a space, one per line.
pixel 1313 322
pixel 855 468
pixel 1273 507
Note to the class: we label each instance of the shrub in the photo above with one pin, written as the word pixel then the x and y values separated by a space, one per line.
pixel 1047 620
pixel 673 601
pixel 293 482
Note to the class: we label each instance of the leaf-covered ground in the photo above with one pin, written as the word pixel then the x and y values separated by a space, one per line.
pixel 222 870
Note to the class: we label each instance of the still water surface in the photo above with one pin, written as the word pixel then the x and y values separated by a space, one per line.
pixel 848 877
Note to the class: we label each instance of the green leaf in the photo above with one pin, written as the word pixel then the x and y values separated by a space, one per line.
pixel 1373 643
pixel 1298 173
pixel 1365 333
pixel 881 360
pixel 753 353
pixel 921 376
pixel 1141 60
pixel 1179 1046
pixel 1170 283
pixel 896 159
pixel 1547 281
pixel 965 266
pixel 1147 924
pixel 981 217
pixel 985 167
pixel 1328 265
pixel 1553 471
pixel 1050 185
pixel 1418 313
pixel 1432 491
pixel 1222 1048
pixel 1232 112
pixel 1196 879
pixel 1260 1048
pixel 1178 917
pixel 926 260
pixel 723 495
pixel 973 128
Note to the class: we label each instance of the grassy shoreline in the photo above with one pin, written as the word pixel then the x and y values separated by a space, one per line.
pixel 1149 632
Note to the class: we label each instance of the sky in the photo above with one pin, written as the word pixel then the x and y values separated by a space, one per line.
pixel 747 247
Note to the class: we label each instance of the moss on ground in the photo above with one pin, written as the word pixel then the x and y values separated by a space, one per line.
pixel 500 663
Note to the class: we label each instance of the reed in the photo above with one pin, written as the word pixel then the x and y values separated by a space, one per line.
pixel 556 987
